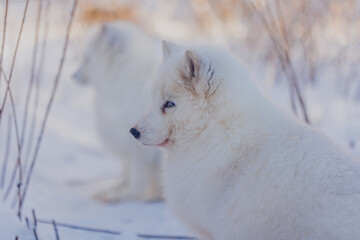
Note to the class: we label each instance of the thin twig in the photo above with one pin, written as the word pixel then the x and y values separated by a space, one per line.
pixel 35 234
pixel 57 78
pixel 11 183
pixel 27 223
pixel 294 79
pixel 8 92
pixel 12 108
pixel 278 51
pixel 17 140
pixel 88 229
pixel 285 62
pixel 37 86
pixel 34 218
pixel 3 40
pixel 148 236
pixel 32 73
pixel 7 152
pixel 35 224
pixel 19 188
pixel 13 60
pixel 18 163
pixel 56 230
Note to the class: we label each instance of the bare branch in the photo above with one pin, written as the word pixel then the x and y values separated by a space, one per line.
pixel 27 223
pixel 57 78
pixel 37 86
pixel 56 230
pixel 3 40
pixel 71 226
pixel 7 153
pixel 284 58
pixel 32 73
pixel 18 164
pixel 148 236
pixel 34 218
pixel 18 143
pixel 35 224
pixel 35 234
pixel 13 60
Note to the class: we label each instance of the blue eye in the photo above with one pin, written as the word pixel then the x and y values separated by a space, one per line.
pixel 167 104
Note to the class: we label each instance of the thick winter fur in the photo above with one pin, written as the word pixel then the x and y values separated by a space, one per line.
pixel 237 168
pixel 117 63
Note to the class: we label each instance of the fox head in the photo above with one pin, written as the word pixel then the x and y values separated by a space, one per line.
pixel 182 96
pixel 105 48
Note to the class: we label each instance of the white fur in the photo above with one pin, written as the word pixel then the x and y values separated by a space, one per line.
pixel 237 168
pixel 117 63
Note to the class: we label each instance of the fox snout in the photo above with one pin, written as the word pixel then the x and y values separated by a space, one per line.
pixel 135 133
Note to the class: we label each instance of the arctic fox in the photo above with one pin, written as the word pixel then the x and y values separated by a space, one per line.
pixel 236 167
pixel 117 62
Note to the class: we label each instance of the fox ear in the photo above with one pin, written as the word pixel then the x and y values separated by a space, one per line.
pixel 168 49
pixel 111 36
pixel 198 74
pixel 191 70
pixel 192 65
pixel 104 28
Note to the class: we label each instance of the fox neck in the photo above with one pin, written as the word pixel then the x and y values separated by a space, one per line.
pixel 218 135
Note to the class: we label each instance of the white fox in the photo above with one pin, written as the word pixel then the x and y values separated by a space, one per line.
pixel 237 168
pixel 117 63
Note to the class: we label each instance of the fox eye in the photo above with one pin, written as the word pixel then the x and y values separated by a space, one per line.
pixel 167 104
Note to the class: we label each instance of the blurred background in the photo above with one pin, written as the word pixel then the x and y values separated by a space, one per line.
pixel 303 54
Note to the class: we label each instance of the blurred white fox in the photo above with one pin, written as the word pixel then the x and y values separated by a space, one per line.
pixel 117 62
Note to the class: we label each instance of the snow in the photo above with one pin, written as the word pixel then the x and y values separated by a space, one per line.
pixel 10 225
pixel 73 164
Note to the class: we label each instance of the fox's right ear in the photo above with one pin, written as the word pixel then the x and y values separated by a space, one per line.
pixel 80 77
pixel 168 49
pixel 112 37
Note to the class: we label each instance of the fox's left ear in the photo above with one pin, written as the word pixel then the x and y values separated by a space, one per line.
pixel 198 74
pixel 168 49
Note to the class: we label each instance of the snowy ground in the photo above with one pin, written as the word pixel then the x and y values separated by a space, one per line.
pixel 72 163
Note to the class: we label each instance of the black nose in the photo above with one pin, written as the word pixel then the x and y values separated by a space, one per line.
pixel 135 133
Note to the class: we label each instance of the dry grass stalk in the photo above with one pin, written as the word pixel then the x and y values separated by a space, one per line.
pixel 280 42
pixel 17 140
pixel 19 148
pixel 7 153
pixel 81 228
pixel 52 96
pixel 149 236
pixel 35 224
pixel 55 230
pixel 35 234
pixel 38 79
pixel 32 71
pixel 13 60
pixel 3 39
pixel 34 218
